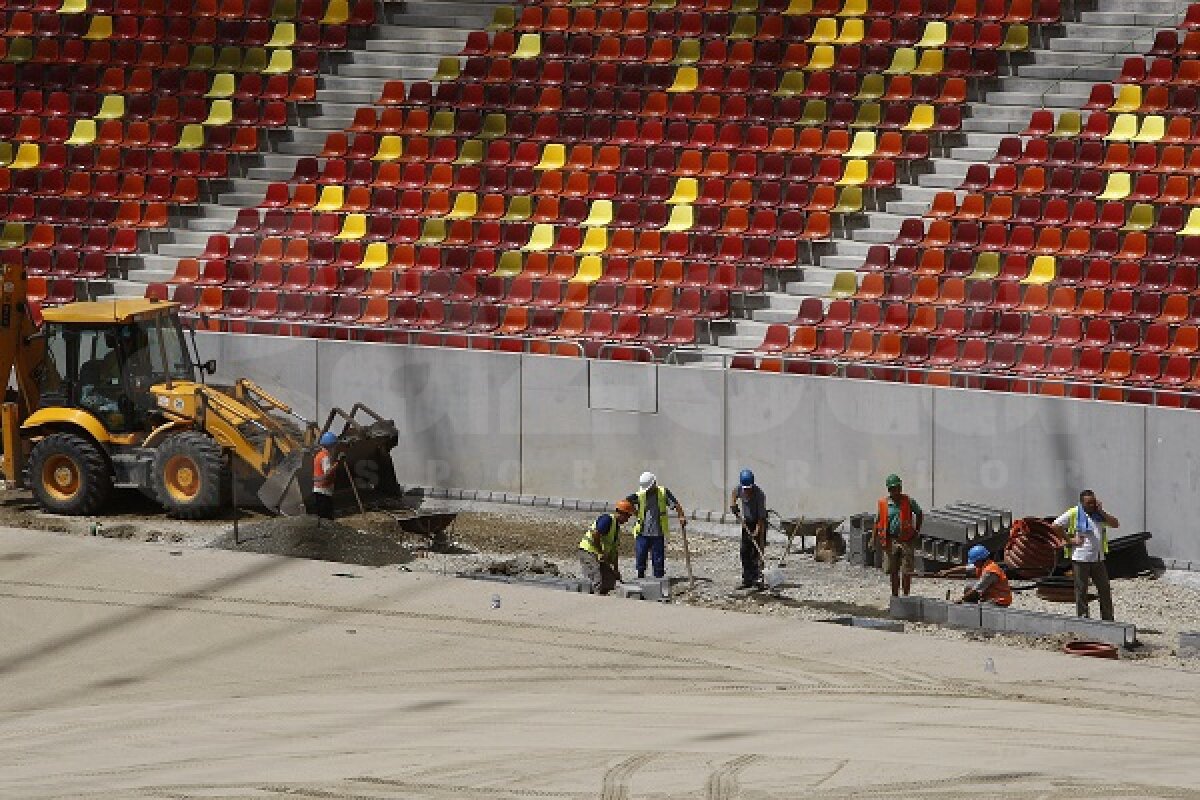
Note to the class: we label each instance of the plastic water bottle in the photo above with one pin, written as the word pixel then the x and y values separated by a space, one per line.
pixel 989 666
pixel 495 601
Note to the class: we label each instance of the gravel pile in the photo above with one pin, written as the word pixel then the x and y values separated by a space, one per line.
pixel 301 537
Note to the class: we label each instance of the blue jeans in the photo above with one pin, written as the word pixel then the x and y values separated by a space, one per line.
pixel 654 546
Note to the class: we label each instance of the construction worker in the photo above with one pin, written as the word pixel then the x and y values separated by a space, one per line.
pixel 1085 529
pixel 598 549
pixel 324 476
pixel 749 504
pixel 651 502
pixel 991 585
pixel 897 525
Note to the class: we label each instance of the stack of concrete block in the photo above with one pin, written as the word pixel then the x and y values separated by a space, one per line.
pixel 1189 645
pixel 946 535
pixel 654 588
pixel 1010 620
pixel 543 581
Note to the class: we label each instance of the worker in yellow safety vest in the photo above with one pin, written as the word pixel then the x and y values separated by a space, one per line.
pixel 651 502
pixel 599 549
pixel 1085 529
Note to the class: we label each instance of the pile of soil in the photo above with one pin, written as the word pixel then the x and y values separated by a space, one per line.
pixel 302 537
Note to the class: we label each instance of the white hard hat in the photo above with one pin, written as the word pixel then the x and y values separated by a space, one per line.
pixel 647 480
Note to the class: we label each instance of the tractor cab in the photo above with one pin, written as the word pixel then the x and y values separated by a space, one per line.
pixel 103 357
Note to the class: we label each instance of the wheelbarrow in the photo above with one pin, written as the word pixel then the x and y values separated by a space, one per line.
pixel 791 527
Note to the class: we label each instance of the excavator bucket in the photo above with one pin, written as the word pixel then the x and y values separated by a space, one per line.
pixel 363 447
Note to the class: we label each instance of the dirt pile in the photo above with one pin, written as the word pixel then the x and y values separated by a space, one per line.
pixel 302 537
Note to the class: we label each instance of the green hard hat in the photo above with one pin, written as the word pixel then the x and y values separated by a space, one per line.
pixel 892 480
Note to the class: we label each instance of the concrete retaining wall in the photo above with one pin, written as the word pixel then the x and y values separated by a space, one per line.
pixel 566 427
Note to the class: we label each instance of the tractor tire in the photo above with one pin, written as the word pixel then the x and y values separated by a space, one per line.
pixel 70 475
pixel 190 476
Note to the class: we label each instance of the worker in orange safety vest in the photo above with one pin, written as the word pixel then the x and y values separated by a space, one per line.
pixel 991 585
pixel 897 526
pixel 324 476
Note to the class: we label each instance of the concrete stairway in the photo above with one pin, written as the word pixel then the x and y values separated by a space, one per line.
pixel 1058 74
pixel 405 45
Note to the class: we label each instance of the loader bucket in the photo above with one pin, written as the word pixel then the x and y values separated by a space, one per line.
pixel 367 452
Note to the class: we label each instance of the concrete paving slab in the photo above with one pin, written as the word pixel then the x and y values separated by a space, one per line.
pixel 963 616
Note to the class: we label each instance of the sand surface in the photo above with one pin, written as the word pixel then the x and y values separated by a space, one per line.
pixel 150 670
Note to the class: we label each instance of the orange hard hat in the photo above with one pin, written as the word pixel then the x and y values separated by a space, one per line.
pixel 625 506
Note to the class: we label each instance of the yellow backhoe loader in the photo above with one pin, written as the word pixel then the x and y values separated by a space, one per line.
pixel 110 394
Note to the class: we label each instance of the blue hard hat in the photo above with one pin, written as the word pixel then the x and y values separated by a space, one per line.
pixel 328 438
pixel 746 478
pixel 603 523
pixel 976 554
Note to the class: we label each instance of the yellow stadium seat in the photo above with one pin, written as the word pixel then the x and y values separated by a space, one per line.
pixel 1153 129
pixel 220 113
pixel 1068 126
pixel 520 208
pixel 854 8
pixel 799 8
pixel 223 85
pixel 922 118
pixel 845 284
pixel 681 219
pixel 686 80
pixel 871 88
pixel 99 28
pixel 511 265
pixel 111 107
pixel 688 52
pixel 686 191
pixel 853 32
pixel 599 215
pixel 987 267
pixel 540 238
pixel 503 19
pixel 863 145
pixel 466 206
pixel 1124 128
pixel 20 50
pixel 1016 39
pixel 6 153
pixel 594 241
pixel 28 156
pixel 442 123
pixel 433 231
pixel 1192 228
pixel 494 126
pixel 821 59
pixel 856 173
pixel 1043 270
pixel 255 61
pixel 1141 218
pixel 850 201
pixel 448 69
pixel 471 152
pixel 745 6
pixel 1129 99
pixel 354 227
pixel 283 35
pixel 13 235
pixel 869 115
pixel 590 270
pixel 745 26
pixel 336 13
pixel 932 63
pixel 73 7
pixel 791 85
pixel 375 256
pixel 528 46
pixel 934 35
pixel 83 132
pixel 280 63
pixel 1117 187
pixel 332 198
pixel 554 156
pixel 825 31
pixel 904 61
pixel 391 147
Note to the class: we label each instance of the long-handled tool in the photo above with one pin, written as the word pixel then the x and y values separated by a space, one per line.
pixel 774 577
pixel 687 554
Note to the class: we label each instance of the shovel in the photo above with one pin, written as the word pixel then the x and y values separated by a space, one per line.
pixel 772 577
